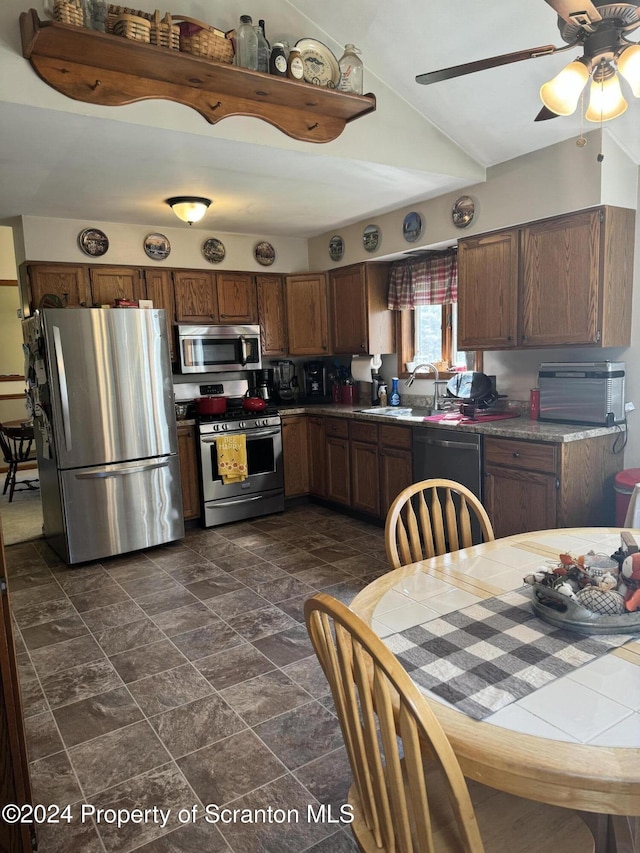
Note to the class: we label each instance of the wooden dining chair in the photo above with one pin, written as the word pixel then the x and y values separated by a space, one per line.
pixel 408 793
pixel 430 518
pixel 16 444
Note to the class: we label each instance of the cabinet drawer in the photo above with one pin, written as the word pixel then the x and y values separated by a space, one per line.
pixel 396 436
pixel 520 454
pixel 364 432
pixel 337 427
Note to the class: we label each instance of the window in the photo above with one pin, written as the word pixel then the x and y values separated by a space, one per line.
pixel 435 336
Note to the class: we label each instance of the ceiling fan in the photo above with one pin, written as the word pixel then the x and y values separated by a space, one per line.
pixel 599 28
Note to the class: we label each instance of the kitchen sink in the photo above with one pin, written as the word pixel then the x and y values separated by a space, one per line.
pixel 396 412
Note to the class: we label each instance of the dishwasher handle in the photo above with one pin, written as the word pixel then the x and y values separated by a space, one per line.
pixel 456 445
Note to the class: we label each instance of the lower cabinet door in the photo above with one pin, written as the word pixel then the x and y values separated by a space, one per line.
pixel 396 473
pixel 189 474
pixel 365 490
pixel 338 480
pixel 519 501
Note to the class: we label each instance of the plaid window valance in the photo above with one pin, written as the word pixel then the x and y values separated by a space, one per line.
pixel 426 280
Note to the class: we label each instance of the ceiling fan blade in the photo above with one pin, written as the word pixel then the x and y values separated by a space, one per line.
pixel 575 11
pixel 545 114
pixel 481 64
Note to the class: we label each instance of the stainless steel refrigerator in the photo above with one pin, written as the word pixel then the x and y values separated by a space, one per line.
pixel 101 389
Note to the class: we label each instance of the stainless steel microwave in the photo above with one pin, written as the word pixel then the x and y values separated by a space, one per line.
pixel 217 349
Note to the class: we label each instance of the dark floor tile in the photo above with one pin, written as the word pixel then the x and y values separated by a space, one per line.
pixel 200 723
pixel 23 557
pixel 42 736
pixel 259 573
pixel 53 781
pixel 201 642
pixel 265 696
pixel 340 842
pixel 138 587
pixel 277 548
pixel 308 673
pixel 236 530
pixel 111 594
pixel 347 590
pixel 286 646
pixel 159 602
pixel 242 600
pixel 234 665
pixel 169 689
pixel 334 552
pixel 232 767
pixel 135 664
pixel 74 837
pixel 54 632
pixel 209 548
pixel 232 564
pixel 295 563
pixel 129 636
pixel 32 615
pixel 193 573
pixel 113 616
pixel 162 788
pixel 255 540
pixel 301 735
pixel 118 755
pixel 214 586
pixel 172 556
pixel 29 579
pixel 294 607
pixel 38 594
pixel 78 581
pixel 281 589
pixel 79 682
pixel 192 838
pixel 55 658
pixel 260 623
pixel 89 718
pixel 323 575
pixel 184 619
pixel 129 570
pixel 33 699
pixel 328 778
pixel 362 565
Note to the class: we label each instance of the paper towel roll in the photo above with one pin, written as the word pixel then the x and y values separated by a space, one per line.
pixel 361 367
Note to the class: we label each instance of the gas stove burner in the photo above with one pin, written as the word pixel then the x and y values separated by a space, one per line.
pixel 238 414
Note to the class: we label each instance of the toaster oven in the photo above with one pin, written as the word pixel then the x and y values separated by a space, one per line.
pixel 590 392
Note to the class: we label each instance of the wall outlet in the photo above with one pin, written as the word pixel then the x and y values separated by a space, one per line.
pixel 629 407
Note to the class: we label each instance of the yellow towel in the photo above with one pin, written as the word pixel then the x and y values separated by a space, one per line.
pixel 232 458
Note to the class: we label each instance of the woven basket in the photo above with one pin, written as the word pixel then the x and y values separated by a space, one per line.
pixel 68 12
pixel 165 33
pixel 114 12
pixel 201 39
pixel 132 27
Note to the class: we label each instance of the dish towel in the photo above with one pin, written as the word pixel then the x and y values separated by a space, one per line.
pixel 232 458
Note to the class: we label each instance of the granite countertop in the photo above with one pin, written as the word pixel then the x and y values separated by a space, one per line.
pixel 520 427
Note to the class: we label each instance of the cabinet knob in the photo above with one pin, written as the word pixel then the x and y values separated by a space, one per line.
pixel 515 454
pixel 509 337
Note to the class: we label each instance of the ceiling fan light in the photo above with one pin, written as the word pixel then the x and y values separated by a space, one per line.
pixel 561 94
pixel 189 208
pixel 606 100
pixel 628 64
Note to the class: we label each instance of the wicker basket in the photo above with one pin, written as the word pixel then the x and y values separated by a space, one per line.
pixel 68 12
pixel 201 39
pixel 165 33
pixel 114 12
pixel 132 27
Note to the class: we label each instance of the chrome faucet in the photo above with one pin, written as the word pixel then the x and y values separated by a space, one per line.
pixel 436 394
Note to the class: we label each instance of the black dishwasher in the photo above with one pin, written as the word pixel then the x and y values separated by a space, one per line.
pixel 448 454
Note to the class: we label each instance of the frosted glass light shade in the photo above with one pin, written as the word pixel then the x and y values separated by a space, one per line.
pixel 189 208
pixel 561 94
pixel 606 100
pixel 628 64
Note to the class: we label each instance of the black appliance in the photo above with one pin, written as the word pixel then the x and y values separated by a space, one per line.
pixel 315 382
pixel 263 384
pixel 472 390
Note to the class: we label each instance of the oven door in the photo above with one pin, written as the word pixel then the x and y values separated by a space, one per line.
pixel 264 463
pixel 212 349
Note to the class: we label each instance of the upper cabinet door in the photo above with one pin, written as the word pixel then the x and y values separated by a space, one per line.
pixel 111 283
pixel 159 284
pixel 348 311
pixel 488 291
pixel 196 297
pixel 69 283
pixel 306 299
pixel 236 297
pixel 272 314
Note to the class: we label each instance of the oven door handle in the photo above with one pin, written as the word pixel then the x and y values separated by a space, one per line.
pixel 242 500
pixel 256 433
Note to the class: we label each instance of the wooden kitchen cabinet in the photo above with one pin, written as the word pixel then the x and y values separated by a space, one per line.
pixel 196 297
pixel 538 485
pixel 359 320
pixel 189 477
pixel 317 456
pixel 111 283
pixel 338 479
pixel 272 314
pixel 70 283
pixel 237 301
pixel 159 287
pixel 396 463
pixel 365 468
pixel 295 455
pixel 562 281
pixel 306 306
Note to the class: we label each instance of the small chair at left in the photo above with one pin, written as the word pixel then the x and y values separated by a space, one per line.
pixel 16 443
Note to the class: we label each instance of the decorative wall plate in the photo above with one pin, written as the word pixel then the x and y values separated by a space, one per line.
pixel 264 253
pixel 412 227
pixel 463 211
pixel 93 242
pixel 371 238
pixel 214 250
pixel 157 246
pixel 336 248
pixel 320 65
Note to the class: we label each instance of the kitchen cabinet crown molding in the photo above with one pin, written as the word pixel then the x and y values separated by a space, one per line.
pixel 100 68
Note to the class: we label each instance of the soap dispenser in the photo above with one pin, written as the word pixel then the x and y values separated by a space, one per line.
pixel 394 397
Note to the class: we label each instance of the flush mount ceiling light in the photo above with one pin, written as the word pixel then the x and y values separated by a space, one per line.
pixel 189 208
pixel 600 29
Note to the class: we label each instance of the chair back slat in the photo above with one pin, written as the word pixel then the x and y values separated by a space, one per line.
pixel 427 527
pixel 451 518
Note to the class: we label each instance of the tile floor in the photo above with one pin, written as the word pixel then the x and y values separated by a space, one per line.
pixel 183 676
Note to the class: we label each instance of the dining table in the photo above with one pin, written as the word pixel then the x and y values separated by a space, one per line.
pixel 557 717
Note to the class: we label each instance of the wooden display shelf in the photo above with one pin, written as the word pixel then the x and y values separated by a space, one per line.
pixel 109 70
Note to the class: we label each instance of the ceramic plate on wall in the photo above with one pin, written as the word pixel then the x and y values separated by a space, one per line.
pixel 463 211
pixel 336 248
pixel 412 227
pixel 371 238
pixel 157 246
pixel 213 250
pixel 264 253
pixel 93 242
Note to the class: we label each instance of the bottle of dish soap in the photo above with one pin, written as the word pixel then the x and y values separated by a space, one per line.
pixel 383 396
pixel 394 397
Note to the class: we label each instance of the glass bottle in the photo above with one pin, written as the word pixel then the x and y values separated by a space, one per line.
pixel 278 60
pixel 246 44
pixel 263 50
pixel 350 71
pixel 394 397
pixel 295 66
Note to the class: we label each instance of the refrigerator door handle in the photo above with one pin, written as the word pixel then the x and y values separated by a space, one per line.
pixel 104 472
pixel 64 391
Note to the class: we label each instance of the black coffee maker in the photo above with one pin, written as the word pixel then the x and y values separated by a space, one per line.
pixel 263 384
pixel 315 381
